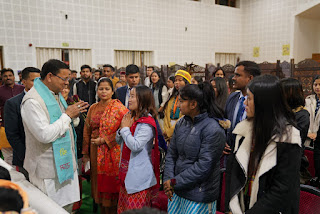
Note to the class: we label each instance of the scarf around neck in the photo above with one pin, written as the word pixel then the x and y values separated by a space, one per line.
pixel 62 146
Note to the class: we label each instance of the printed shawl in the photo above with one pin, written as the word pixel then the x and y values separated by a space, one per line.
pixel 108 154
pixel 62 146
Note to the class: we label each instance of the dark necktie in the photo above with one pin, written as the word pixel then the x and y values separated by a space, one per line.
pixel 240 111
pixel 128 96
pixel 318 106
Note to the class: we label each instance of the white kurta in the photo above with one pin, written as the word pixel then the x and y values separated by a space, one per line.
pixel 35 118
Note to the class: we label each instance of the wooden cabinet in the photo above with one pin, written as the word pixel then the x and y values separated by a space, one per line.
pixel 316 57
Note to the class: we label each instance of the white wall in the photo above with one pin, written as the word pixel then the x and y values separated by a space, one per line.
pixel 106 25
pixel 269 24
pixel 306 38
pixel 155 25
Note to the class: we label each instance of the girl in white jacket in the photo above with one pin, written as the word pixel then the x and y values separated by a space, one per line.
pixel 313 106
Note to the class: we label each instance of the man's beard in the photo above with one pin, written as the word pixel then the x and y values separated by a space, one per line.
pixel 8 82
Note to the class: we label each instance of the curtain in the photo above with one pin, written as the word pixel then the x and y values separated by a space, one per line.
pixel 147 58
pixel 226 58
pixel 137 58
pixel 44 54
pixel 122 58
pixel 79 57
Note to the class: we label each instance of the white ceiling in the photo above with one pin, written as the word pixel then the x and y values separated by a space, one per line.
pixel 312 13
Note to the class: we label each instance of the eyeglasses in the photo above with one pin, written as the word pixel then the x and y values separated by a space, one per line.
pixel 63 79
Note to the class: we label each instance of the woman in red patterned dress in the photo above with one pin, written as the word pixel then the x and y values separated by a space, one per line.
pixel 100 148
pixel 139 167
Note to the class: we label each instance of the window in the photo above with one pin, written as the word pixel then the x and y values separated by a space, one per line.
pixel 65 56
pixel 226 58
pixel 75 58
pixel 122 58
pixel 229 3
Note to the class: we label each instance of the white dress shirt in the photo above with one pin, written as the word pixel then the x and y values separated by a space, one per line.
pixel 35 118
pixel 147 81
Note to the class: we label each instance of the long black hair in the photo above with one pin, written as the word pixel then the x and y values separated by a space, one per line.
pixel 145 101
pixel 314 79
pixel 222 91
pixel 271 114
pixel 293 92
pixel 218 69
pixel 159 84
pixel 172 80
pixel 198 79
pixel 203 94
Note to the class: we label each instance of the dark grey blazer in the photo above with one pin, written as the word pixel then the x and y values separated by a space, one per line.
pixel 121 94
pixel 14 128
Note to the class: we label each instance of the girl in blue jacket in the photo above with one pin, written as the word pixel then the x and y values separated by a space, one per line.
pixel 191 172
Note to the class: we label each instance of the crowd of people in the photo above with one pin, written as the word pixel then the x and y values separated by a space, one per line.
pixel 55 128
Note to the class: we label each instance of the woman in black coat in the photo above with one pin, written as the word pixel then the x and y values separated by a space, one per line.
pixel 265 167
pixel 293 93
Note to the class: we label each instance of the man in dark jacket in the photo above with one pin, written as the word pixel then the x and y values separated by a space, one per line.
pixel 86 87
pixel 235 110
pixel 133 79
pixel 86 90
pixel 245 71
pixel 13 121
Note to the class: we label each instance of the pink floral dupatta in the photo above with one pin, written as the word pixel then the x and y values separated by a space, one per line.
pixel 108 156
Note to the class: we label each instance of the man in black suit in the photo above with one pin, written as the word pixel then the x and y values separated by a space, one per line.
pixel 245 71
pixel 13 122
pixel 133 79
pixel 235 110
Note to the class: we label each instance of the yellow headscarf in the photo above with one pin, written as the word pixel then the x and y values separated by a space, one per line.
pixel 184 74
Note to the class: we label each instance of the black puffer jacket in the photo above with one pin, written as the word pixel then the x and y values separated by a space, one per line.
pixel 193 158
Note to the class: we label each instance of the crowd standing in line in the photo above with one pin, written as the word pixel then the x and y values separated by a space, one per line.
pixel 257 133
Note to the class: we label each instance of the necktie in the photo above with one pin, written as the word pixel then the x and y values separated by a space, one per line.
pixel 317 108
pixel 127 98
pixel 240 111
